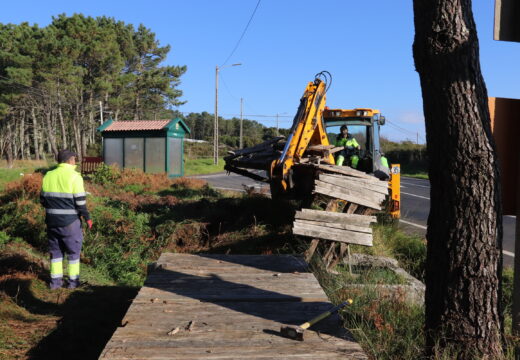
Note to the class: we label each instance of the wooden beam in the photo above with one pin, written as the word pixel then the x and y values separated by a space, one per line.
pixel 310 214
pixel 326 233
pixel 334 225
pixel 365 199
pixel 344 181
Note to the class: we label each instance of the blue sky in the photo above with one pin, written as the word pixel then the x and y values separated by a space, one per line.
pixel 365 45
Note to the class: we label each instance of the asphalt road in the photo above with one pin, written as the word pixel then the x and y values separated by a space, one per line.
pixel 415 205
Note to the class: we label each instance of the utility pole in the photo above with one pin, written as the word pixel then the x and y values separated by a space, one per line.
pixel 277 130
pixel 241 124
pixel 215 122
pixel 417 142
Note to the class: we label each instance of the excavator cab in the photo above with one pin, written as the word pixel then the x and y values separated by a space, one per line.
pixel 364 126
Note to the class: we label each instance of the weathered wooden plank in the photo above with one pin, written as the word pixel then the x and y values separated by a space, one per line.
pixel 334 225
pixel 238 263
pixel 312 248
pixel 361 193
pixel 320 227
pixel 351 208
pixel 311 214
pixel 321 232
pixel 214 352
pixel 245 327
pixel 345 170
pixel 320 147
pixel 371 180
pixel 354 183
pixel 339 194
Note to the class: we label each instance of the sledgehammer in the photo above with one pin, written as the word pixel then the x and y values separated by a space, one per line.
pixel 296 332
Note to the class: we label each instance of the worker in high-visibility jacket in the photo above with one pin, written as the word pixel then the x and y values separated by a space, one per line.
pixel 64 199
pixel 350 145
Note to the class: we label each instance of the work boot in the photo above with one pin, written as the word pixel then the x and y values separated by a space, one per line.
pixel 55 284
pixel 72 284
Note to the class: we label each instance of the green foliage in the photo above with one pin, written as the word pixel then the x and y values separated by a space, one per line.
pixel 412 157
pixel 68 66
pixel 507 290
pixel 202 166
pixel 105 174
pixel 4 239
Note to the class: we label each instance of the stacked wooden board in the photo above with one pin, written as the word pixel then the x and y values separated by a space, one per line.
pixel 351 185
pixel 347 228
pixel 361 194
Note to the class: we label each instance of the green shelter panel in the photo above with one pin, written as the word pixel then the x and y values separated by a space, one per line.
pixel 175 156
pixel 113 152
pixel 155 155
pixel 134 153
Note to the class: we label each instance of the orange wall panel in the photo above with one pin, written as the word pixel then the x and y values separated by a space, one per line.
pixel 505 125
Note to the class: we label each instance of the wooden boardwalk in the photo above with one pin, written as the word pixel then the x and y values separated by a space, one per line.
pixel 235 304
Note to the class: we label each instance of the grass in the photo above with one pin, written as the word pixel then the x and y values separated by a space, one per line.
pixel 202 166
pixel 385 325
pixel 20 168
pixel 136 217
pixel 417 175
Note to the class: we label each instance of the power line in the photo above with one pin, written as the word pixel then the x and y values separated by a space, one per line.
pixel 243 33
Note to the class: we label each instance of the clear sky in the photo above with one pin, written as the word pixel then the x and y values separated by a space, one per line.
pixel 366 45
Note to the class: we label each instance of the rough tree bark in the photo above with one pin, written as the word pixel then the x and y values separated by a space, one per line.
pixel 464 234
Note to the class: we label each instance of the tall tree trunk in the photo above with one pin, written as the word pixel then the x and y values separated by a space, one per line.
pixel 35 135
pixel 9 153
pixel 463 266
pixel 22 135
pixel 64 143
pixel 50 133
pixel 76 129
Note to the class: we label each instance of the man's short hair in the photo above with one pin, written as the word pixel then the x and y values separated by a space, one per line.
pixel 64 155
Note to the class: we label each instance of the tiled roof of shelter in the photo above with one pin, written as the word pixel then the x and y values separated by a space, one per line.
pixel 137 125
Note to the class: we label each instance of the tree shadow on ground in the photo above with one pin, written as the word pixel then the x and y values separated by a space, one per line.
pixel 88 320
pixel 88 316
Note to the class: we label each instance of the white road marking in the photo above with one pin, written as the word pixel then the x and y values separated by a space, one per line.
pixel 422 197
pixel 505 252
pixel 413 224
pixel 415 185
pixel 213 176
pixel 415 179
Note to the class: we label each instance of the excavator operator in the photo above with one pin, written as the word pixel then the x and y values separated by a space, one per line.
pixel 350 145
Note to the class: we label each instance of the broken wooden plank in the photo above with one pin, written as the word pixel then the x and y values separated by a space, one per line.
pixel 346 171
pixel 310 214
pixel 326 233
pixel 312 248
pixel 355 183
pixel 365 199
pixel 320 147
pixel 369 195
pixel 334 225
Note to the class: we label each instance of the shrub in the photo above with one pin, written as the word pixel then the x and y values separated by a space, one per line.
pixel 105 174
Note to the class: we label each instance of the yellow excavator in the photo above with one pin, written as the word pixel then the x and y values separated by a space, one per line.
pixel 291 165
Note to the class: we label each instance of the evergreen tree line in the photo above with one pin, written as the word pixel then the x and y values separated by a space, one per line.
pixel 53 78
pixel 201 126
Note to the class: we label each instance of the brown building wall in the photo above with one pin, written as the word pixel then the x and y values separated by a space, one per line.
pixel 505 124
